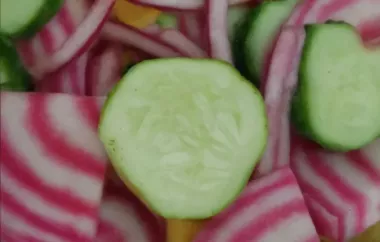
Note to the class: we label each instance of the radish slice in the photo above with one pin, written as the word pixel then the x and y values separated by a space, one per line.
pixel 124 218
pixel 217 32
pixel 183 44
pixel 52 167
pixel 342 189
pixel 104 70
pixel 191 27
pixel 86 33
pixel 278 89
pixel 271 208
pixel 54 34
pixel 71 79
pixel 176 5
pixel 138 39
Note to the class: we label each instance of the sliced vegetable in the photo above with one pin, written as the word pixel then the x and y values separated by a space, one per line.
pixel 24 18
pixel 271 208
pixel 257 34
pixel 166 20
pixel 79 42
pixel 337 101
pixel 13 76
pixel 134 15
pixel 195 127
pixel 216 30
pixel 235 18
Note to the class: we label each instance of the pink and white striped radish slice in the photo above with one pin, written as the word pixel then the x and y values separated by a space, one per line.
pixel 124 218
pixel 71 79
pixel 104 70
pixel 270 209
pixel 191 25
pixel 79 42
pixel 278 89
pixel 54 34
pixel 136 38
pixel 342 190
pixel 181 4
pixel 218 43
pixel 52 167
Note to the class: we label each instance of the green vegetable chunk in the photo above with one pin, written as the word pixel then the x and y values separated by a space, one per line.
pixel 186 133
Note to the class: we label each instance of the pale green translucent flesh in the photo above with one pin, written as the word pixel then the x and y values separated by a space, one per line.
pixel 343 88
pixel 187 133
pixel 267 25
pixel 15 14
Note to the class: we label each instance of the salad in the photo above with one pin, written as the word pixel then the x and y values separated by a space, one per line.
pixel 190 120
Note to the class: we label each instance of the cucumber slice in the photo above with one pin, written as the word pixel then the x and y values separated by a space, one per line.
pixel 13 76
pixel 235 18
pixel 166 20
pixel 186 133
pixel 337 101
pixel 257 35
pixel 24 18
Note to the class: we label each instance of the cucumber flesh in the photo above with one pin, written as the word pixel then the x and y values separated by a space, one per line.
pixel 24 18
pixel 235 17
pixel 337 101
pixel 257 36
pixel 186 133
pixel 13 76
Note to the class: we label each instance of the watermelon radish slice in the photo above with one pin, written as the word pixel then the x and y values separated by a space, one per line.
pixel 104 70
pixel 341 190
pixel 71 79
pixel 278 89
pixel 52 167
pixel 270 209
pixel 199 139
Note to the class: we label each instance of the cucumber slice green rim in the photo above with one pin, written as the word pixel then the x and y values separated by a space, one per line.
pixel 13 76
pixel 337 101
pixel 257 35
pixel 186 133
pixel 23 18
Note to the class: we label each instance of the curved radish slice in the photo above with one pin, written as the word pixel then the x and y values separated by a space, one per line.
pixel 104 70
pixel 71 79
pixel 52 166
pixel 278 89
pixel 124 218
pixel 342 190
pixel 54 34
pixel 217 32
pixel 191 27
pixel 187 47
pixel 138 39
pixel 79 42
pixel 271 208
pixel 180 4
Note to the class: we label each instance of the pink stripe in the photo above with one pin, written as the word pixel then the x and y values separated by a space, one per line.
pixel 54 142
pixel 332 7
pixel 152 223
pixel 65 19
pixel 340 187
pixel 16 236
pixel 246 201
pixel 61 198
pixel 269 220
pixel 90 111
pixel 47 39
pixel 25 49
pixel 108 232
pixel 50 227
pixel 370 30
pixel 72 71
pixel 361 162
pixel 303 10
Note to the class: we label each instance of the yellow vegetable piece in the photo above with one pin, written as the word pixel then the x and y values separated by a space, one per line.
pixel 134 15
